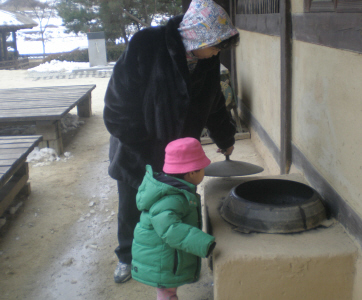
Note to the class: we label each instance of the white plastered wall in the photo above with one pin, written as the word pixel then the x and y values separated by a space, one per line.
pixel 327 115
pixel 258 73
pixel 326 107
pixel 327 120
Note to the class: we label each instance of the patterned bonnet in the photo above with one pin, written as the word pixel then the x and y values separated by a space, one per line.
pixel 205 24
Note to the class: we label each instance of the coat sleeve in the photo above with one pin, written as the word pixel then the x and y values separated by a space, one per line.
pixel 220 123
pixel 166 217
pixel 122 113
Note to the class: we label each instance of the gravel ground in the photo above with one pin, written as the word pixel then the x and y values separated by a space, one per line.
pixel 59 243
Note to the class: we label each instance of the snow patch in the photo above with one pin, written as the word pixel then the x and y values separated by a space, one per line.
pixel 45 156
pixel 59 66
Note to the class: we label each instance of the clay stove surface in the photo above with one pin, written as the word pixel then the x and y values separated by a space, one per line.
pixel 316 264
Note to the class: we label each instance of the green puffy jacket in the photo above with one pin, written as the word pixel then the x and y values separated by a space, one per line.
pixel 168 240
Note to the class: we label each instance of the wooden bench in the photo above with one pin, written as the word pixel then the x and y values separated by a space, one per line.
pixel 44 107
pixel 14 171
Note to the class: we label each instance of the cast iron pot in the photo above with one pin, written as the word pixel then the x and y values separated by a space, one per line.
pixel 273 206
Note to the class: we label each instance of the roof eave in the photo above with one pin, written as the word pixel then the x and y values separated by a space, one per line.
pixel 11 28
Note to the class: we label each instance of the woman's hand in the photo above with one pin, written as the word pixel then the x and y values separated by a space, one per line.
pixel 227 151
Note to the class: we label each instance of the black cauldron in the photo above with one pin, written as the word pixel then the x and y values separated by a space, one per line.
pixel 273 206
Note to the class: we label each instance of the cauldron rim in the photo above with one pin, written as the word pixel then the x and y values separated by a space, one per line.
pixel 251 216
pixel 312 194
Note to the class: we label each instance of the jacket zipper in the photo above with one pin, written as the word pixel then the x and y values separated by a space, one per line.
pixel 175 263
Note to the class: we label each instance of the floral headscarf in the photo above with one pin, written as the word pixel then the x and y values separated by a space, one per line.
pixel 205 24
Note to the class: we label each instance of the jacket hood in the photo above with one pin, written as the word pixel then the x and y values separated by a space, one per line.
pixel 205 24
pixel 151 190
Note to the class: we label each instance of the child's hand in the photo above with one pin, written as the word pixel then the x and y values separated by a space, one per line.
pixel 227 151
pixel 212 247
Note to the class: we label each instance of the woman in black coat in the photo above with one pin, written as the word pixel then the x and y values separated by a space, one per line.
pixel 165 86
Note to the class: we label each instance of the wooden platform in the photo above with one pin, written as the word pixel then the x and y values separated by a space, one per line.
pixel 14 171
pixel 44 107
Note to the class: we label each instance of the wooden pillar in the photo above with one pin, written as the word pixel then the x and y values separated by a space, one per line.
pixel 52 135
pixel 15 45
pixel 233 73
pixel 1 51
pixel 17 184
pixel 226 55
pixel 4 49
pixel 286 86
pixel 15 57
pixel 84 107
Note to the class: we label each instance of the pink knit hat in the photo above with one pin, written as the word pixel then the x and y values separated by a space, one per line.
pixel 184 155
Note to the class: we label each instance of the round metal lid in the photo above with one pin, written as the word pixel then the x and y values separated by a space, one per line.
pixel 230 167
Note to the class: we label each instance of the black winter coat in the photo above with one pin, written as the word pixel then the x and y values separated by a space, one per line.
pixel 152 99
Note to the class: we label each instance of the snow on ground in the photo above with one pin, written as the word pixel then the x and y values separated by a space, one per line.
pixel 30 45
pixel 56 40
pixel 59 66
pixel 45 156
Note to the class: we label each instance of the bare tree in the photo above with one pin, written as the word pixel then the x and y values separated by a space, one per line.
pixel 117 18
pixel 42 11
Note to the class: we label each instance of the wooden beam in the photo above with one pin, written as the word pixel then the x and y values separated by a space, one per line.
pixel 264 23
pixel 286 86
pixel 336 30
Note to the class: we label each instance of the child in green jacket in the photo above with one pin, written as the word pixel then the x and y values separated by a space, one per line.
pixel 168 240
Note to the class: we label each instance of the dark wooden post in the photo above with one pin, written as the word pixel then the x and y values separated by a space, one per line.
pixel 225 56
pixel 15 58
pixel 286 86
pixel 1 52
pixel 5 51
pixel 233 73
pixel 15 45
